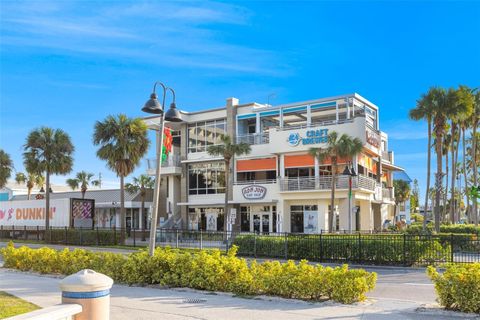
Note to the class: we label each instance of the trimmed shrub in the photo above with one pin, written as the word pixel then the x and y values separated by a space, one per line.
pixel 417 228
pixel 85 236
pixel 458 288
pixel 205 270
pixel 389 249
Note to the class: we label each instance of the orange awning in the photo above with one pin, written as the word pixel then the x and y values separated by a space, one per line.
pixel 257 164
pixel 296 161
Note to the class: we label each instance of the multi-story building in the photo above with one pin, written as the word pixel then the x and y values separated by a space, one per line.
pixel 278 186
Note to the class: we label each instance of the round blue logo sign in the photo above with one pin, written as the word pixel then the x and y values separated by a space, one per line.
pixel 294 139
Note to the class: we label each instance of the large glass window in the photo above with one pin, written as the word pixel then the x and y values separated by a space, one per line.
pixel 205 133
pixel 296 216
pixel 199 217
pixel 256 175
pixel 206 178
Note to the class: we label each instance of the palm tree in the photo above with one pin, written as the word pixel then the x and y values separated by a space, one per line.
pixel 424 111
pixel 83 179
pixel 6 168
pixel 460 112
pixel 142 183
pixel 31 180
pixel 228 150
pixel 343 146
pixel 50 151
pixel 475 121
pixel 402 192
pixel 123 142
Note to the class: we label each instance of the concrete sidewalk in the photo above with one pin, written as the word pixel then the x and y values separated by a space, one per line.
pixel 155 303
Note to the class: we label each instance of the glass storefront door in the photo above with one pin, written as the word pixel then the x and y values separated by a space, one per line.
pixel 261 222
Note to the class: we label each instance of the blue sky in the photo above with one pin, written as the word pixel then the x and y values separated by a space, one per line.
pixel 68 64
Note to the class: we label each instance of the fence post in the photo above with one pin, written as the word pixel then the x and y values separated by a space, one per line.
pixel 81 236
pixel 201 240
pixel 176 241
pixel 1 232
pixel 134 236
pixel 66 236
pixel 405 249
pixel 98 242
pixel 359 247
pixel 255 244
pixel 451 247
pixel 25 231
pixel 114 235
pixel 321 246
pixel 38 234
pixel 13 232
pixel 286 246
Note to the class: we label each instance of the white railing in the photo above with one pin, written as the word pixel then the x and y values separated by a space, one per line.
pixel 58 312
pixel 266 181
pixel 171 161
pixel 317 124
pixel 254 138
pixel 387 193
pixel 325 183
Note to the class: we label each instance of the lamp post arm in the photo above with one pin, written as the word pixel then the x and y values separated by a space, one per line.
pixel 164 91
pixel 173 93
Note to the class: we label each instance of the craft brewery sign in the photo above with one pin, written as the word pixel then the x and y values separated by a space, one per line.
pixel 254 192
pixel 311 137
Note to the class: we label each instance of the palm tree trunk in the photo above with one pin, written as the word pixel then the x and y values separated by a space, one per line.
pixel 445 195
pixel 122 211
pixel 227 187
pixel 438 179
pixel 144 216
pixel 331 214
pixel 452 196
pixel 429 160
pixel 464 161
pixel 475 170
pixel 47 206
pixel 29 192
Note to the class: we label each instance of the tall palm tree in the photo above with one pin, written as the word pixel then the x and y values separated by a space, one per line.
pixel 424 111
pixel 475 121
pixel 83 179
pixel 122 143
pixel 141 184
pixel 228 150
pixel 48 151
pixel 6 168
pixel 461 110
pixel 343 146
pixel 31 180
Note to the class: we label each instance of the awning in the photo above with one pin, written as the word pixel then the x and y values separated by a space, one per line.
pixel 392 167
pixel 298 161
pixel 264 164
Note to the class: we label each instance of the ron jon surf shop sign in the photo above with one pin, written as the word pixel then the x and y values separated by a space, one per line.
pixel 254 192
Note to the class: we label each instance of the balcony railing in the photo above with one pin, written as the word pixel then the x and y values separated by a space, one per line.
pixel 266 181
pixel 387 156
pixel 254 138
pixel 387 193
pixel 325 183
pixel 171 161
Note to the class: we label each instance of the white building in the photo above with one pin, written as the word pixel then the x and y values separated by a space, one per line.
pixel 278 187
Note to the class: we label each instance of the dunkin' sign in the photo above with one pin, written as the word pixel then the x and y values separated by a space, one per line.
pixel 31 213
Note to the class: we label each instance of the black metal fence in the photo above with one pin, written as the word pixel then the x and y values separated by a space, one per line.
pixel 378 249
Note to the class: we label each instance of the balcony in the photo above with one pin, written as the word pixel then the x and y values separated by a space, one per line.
pixel 171 165
pixel 387 156
pixel 325 183
pixel 388 194
pixel 254 138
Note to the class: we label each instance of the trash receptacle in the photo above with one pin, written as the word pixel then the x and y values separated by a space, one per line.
pixel 91 290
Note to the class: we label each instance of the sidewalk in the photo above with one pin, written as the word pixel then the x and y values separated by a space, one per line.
pixel 154 303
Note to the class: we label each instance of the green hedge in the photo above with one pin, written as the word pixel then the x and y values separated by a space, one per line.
pixel 392 249
pixel 84 236
pixel 205 270
pixel 458 288
pixel 417 228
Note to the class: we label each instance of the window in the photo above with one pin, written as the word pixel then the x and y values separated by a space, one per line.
pixel 199 217
pixel 296 216
pixel 205 133
pixel 256 175
pixel 206 178
pixel 244 219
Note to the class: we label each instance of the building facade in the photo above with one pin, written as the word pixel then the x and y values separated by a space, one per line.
pixel 278 186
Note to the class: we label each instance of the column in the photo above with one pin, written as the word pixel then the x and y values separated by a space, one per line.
pixel 282 166
pixel 343 212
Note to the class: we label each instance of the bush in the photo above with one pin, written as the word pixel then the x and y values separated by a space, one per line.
pixel 85 236
pixel 417 228
pixel 205 270
pixel 458 288
pixel 390 249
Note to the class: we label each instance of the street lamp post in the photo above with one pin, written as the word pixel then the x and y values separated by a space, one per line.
pixel 350 172
pixel 172 115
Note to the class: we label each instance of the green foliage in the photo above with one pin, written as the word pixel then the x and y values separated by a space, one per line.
pixel 6 167
pixel 417 217
pixel 85 236
pixel 205 270
pixel 444 228
pixel 458 288
pixel 387 249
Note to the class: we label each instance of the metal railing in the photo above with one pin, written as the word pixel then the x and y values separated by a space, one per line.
pixel 325 183
pixel 388 193
pixel 171 161
pixel 247 182
pixel 254 138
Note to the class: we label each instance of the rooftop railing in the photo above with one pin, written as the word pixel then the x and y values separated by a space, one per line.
pixel 325 183
pixel 171 161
